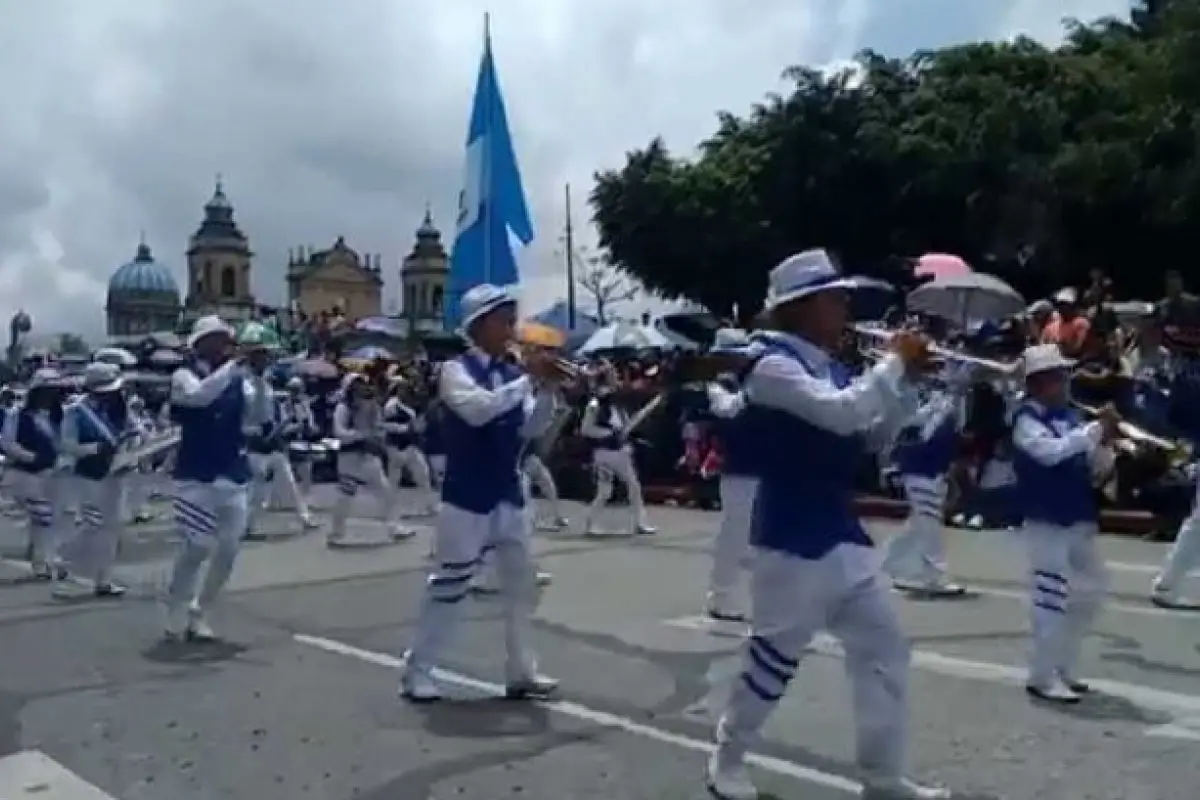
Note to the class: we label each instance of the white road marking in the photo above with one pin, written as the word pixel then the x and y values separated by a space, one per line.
pixel 1184 708
pixel 33 775
pixel 778 766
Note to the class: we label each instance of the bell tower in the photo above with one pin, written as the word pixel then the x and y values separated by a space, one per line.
pixel 423 278
pixel 219 264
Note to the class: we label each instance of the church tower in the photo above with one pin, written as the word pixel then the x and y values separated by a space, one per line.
pixel 423 278
pixel 218 260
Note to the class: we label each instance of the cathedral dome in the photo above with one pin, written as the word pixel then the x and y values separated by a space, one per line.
pixel 143 278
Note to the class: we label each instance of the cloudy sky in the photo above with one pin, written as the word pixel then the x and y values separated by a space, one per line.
pixel 345 118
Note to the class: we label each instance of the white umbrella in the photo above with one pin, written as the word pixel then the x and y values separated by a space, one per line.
pixel 117 356
pixel 625 336
pixel 967 297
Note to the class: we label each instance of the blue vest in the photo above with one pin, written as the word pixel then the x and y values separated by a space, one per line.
pixel 212 443
pixel 604 419
pixel 931 457
pixel 1061 494
pixel 737 445
pixel 482 464
pixel 1184 399
pixel 807 476
pixel 33 438
pixel 433 438
pixel 401 416
pixel 96 466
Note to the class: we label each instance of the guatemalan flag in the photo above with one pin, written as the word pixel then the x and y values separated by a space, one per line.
pixel 491 205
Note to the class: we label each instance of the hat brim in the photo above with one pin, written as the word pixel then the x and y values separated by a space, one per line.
pixel 196 336
pixel 487 308
pixel 792 295
pixel 104 388
pixel 1061 365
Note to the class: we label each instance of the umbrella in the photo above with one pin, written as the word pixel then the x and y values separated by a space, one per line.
pixel 117 356
pixel 166 358
pixel 540 335
pixel 316 368
pixel 385 326
pixel 940 265
pixel 370 352
pixel 625 336
pixel 962 298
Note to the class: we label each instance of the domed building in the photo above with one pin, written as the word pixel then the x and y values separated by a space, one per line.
pixel 143 297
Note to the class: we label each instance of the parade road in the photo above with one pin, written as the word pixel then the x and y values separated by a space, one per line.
pixel 300 700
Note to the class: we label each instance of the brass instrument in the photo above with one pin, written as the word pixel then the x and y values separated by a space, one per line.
pixel 1004 368
pixel 572 372
pixel 1131 432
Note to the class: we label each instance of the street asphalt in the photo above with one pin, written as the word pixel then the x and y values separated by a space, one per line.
pixel 300 701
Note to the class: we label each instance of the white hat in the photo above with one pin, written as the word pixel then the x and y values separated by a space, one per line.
pixel 1044 358
pixel 730 340
pixel 295 382
pixel 206 326
pixel 46 376
pixel 481 300
pixel 101 377
pixel 804 274
pixel 1066 295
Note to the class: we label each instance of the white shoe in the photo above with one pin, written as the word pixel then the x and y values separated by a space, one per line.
pixel 70 590
pixel 543 578
pixel 418 686
pixel 1054 691
pixel 1170 599
pixel 728 779
pixel 309 523
pixel 902 789
pixel 401 532
pixel 175 626
pixel 198 629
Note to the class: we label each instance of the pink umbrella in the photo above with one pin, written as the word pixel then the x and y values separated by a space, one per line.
pixel 940 265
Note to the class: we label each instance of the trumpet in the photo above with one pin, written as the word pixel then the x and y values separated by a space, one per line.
pixel 1005 368
pixel 1131 432
pixel 570 371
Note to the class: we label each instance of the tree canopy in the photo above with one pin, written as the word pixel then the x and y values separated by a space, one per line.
pixel 1038 164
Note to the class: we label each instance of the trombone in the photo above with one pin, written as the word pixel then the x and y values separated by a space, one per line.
pixel 518 351
pixel 1131 432
pixel 1004 368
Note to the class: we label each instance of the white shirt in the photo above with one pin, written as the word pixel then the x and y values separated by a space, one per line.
pixel 479 405
pixel 1039 442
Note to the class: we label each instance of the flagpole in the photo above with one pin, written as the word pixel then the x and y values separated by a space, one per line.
pixel 486 167
pixel 569 236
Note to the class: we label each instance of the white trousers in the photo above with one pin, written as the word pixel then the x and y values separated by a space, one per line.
pixel 358 471
pixel 732 543
pixel 1068 581
pixel 1184 555
pixel 613 465
pixel 437 468
pixel 536 472
pixel 792 600
pixel 918 553
pixel 411 461
pixel 461 542
pixel 93 551
pixel 210 519
pixel 41 496
pixel 272 471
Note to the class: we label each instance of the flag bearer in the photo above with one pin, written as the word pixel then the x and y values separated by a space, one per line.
pixel 814 566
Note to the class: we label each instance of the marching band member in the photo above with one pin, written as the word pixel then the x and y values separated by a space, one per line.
pixel 1055 458
pixel 268 442
pixel 490 407
pixel 1184 555
pixel 93 432
pixel 738 485
pixel 30 440
pixel 403 429
pixel 603 425
pixel 136 501
pixel 357 428
pixel 924 452
pixel 536 473
pixel 814 566
pixel 297 410
pixel 213 405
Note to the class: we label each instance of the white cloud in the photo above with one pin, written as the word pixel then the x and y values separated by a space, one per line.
pixel 345 119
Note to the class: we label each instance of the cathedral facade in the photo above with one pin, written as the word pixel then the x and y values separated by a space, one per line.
pixel 143 297
pixel 335 278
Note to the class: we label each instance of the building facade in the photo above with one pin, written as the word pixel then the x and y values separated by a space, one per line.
pixel 219 262
pixel 337 278
pixel 423 277
pixel 143 297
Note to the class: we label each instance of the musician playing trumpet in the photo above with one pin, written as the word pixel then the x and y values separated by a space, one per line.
pixel 94 430
pixel 1056 457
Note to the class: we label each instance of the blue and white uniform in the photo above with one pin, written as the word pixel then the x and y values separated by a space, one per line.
pixel 93 433
pixel 274 482
pixel 1184 555
pixel 924 452
pixel 1055 457
pixel 814 566
pixel 402 432
pixel 357 426
pixel 214 408
pixel 491 408
pixel 738 488
pixel 603 425
pixel 30 440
